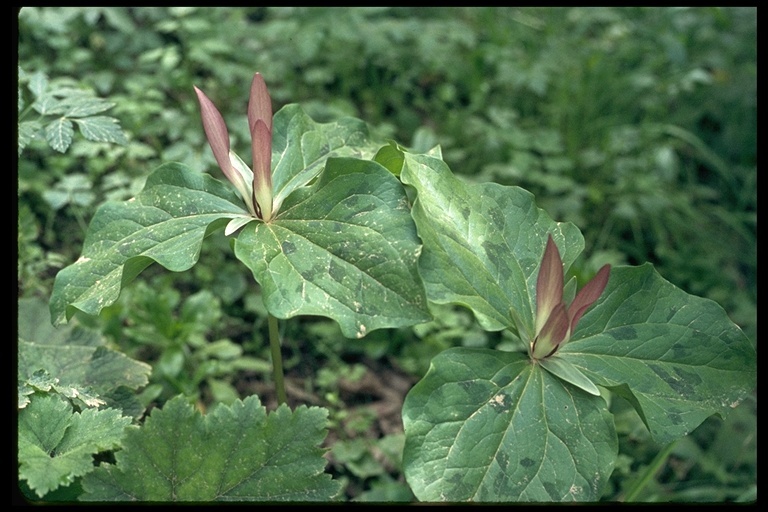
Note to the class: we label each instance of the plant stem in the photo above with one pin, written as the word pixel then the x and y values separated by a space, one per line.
pixel 277 359
pixel 650 471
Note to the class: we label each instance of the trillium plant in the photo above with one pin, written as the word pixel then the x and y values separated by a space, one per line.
pixel 372 235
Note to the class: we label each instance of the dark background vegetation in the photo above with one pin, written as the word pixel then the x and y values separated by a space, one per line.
pixel 636 124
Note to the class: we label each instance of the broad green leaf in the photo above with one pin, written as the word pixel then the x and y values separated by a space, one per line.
pixel 101 129
pixel 676 357
pixel 485 425
pixel 56 445
pixel 483 243
pixel 165 223
pixel 300 147
pixel 235 453
pixel 344 248
pixel 74 356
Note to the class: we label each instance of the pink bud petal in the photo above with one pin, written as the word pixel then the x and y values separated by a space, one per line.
pixel 553 333
pixel 259 103
pixel 549 286
pixel 260 123
pixel 588 295
pixel 215 130
pixel 262 170
pixel 218 138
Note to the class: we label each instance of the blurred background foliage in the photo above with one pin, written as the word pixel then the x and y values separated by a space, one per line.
pixel 637 124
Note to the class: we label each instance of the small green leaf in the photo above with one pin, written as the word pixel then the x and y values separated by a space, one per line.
pixel 38 83
pixel 676 357
pixel 485 425
pixel 101 129
pixel 345 248
pixel 59 133
pixel 27 132
pixel 561 368
pixel 84 106
pixel 57 445
pixel 391 157
pixel 482 242
pixel 235 453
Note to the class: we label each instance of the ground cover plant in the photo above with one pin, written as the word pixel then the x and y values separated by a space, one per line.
pixel 521 384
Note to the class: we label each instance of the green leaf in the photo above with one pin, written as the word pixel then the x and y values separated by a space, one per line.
pixel 676 357
pixel 345 248
pixel 235 453
pixel 84 106
pixel 27 132
pixel 300 147
pixel 165 223
pixel 57 445
pixel 101 129
pixel 74 356
pixel 483 243
pixel 392 157
pixel 560 367
pixel 485 425
pixel 59 133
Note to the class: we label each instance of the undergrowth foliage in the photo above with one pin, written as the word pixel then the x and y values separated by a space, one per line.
pixel 534 364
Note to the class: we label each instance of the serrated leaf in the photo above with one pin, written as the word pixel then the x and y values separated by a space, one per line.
pixel 485 425
pixel 482 242
pixel 74 356
pixel 56 445
pixel 59 133
pixel 101 129
pixel 49 105
pixel 235 453
pixel 345 248
pixel 676 357
pixel 165 223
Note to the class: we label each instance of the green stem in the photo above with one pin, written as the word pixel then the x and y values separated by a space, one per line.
pixel 649 473
pixel 277 359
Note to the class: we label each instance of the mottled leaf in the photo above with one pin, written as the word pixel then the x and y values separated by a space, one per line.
pixel 485 425
pixel 74 356
pixel 165 223
pixel 300 147
pixel 676 357
pixel 482 242
pixel 345 248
